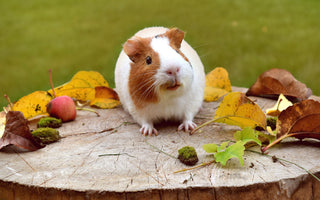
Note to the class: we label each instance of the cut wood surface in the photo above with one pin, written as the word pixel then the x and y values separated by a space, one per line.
pixel 106 157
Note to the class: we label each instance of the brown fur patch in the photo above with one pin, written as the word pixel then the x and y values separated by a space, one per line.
pixel 142 76
pixel 175 37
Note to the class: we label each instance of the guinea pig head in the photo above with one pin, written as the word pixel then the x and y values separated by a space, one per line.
pixel 157 65
pixel 175 74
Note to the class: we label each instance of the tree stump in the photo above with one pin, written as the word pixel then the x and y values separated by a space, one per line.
pixel 107 158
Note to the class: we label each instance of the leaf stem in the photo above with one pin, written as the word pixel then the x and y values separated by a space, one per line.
pixel 263 150
pixel 88 109
pixel 281 138
pixel 50 79
pixel 9 101
pixel 217 119
pixel 202 125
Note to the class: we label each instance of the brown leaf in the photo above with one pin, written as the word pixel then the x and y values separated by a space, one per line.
pixel 274 82
pixel 17 132
pixel 301 119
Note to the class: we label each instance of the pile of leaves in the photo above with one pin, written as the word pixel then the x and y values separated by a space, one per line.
pixel 85 87
pixel 299 117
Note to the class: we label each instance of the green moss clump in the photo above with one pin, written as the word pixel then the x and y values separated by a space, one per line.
pixel 272 122
pixel 50 122
pixel 46 135
pixel 188 155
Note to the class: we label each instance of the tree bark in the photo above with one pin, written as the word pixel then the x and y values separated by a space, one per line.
pixel 107 158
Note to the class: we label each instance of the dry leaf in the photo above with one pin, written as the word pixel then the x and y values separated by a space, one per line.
pixel 33 104
pixel 105 98
pixel 302 120
pixel 82 86
pixel 237 109
pixel 274 82
pixel 282 104
pixel 17 132
pixel 217 84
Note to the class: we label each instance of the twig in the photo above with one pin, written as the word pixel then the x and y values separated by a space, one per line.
pixel 158 149
pixel 116 154
pixel 23 159
pixel 195 167
pixel 284 160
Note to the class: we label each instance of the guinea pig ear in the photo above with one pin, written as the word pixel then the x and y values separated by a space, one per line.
pixel 175 37
pixel 133 48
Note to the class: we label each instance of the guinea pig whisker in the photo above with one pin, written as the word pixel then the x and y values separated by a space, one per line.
pixel 142 85
pixel 149 92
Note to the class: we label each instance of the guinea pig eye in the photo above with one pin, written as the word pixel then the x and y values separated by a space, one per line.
pixel 148 60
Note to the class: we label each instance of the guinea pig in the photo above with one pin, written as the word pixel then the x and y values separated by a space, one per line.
pixel 160 77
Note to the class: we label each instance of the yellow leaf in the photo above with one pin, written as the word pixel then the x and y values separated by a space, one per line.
pixel 82 86
pixel 237 109
pixel 105 98
pixel 282 104
pixel 33 104
pixel 213 94
pixel 217 84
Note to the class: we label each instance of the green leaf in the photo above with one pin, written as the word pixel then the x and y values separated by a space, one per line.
pixel 269 136
pixel 233 151
pixel 210 148
pixel 223 145
pixel 247 135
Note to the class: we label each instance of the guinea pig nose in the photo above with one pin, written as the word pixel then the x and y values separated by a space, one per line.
pixel 173 71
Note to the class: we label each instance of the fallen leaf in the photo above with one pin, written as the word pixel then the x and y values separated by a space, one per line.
pixel 17 132
pixel 282 104
pixel 274 82
pixel 237 109
pixel 105 98
pixel 210 148
pixel 302 120
pixel 223 146
pixel 217 84
pixel 223 152
pixel 247 135
pixel 82 86
pixel 33 104
pixel 233 151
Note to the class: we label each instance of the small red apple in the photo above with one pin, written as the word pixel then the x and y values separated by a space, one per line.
pixel 63 108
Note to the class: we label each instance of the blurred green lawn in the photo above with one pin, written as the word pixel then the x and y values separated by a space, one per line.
pixel 246 37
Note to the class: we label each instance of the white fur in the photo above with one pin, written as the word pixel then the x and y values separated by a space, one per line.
pixel 181 104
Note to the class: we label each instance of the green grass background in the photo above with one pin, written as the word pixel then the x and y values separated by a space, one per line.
pixel 247 37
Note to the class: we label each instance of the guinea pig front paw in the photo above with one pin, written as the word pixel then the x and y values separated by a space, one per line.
pixel 148 129
pixel 187 125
